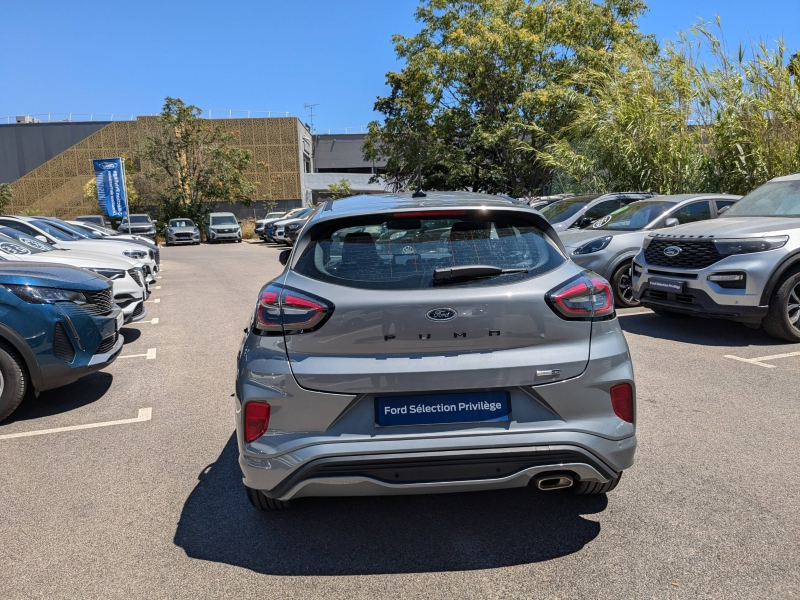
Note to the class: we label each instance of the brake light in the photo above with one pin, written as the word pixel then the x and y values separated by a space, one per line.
pixel 622 401
pixel 290 311
pixel 585 297
pixel 256 420
pixel 424 214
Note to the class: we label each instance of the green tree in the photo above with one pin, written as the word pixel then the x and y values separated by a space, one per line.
pixel 481 77
pixel 6 195
pixel 340 189
pixel 189 164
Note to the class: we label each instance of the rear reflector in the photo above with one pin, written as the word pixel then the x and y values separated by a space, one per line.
pixel 622 401
pixel 256 420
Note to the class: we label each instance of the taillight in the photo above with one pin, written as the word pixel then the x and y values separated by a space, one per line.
pixel 290 311
pixel 256 420
pixel 622 401
pixel 585 297
pixel 268 309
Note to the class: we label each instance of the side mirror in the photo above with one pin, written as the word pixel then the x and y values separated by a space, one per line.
pixel 155 222
pixel 284 256
pixel 585 221
pixel 723 209
pixel 671 222
pixel 41 238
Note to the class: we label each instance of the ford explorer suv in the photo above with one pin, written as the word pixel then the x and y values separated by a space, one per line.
pixel 743 266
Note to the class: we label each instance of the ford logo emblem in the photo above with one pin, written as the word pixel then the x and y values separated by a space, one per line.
pixel 672 251
pixel 441 314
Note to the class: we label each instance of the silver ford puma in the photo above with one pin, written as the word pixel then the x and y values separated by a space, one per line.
pixel 435 344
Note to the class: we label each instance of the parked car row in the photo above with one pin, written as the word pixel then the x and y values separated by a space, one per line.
pixel 283 229
pixel 66 289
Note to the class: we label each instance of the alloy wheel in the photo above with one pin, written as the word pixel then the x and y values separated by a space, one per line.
pixel 793 306
pixel 625 288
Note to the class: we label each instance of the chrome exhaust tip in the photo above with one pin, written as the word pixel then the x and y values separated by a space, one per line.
pixel 554 482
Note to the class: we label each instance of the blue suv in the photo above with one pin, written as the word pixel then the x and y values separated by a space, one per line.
pixel 57 324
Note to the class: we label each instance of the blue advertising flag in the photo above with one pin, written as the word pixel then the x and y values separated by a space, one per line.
pixel 111 192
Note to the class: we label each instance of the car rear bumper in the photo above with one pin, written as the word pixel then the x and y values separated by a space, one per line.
pixel 367 469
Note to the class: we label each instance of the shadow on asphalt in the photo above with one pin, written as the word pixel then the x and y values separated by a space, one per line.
pixel 699 331
pixel 130 334
pixel 85 391
pixel 401 534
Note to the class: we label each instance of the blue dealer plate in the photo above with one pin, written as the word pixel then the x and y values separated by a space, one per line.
pixel 474 407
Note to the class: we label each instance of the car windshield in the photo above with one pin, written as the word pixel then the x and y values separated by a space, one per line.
pixel 55 231
pixel 139 219
pixel 564 209
pixel 70 230
pixel 32 243
pixel 224 220
pixel 86 230
pixel 773 199
pixel 634 216
pixel 181 223
pixel 382 252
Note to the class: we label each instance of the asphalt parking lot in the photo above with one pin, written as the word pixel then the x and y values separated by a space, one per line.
pixel 153 506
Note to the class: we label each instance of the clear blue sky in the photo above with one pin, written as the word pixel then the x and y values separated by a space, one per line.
pixel 124 57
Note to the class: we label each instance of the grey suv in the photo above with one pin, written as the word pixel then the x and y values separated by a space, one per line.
pixel 744 266
pixel 608 245
pixel 473 355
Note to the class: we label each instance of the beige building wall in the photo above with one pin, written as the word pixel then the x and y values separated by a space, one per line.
pixel 55 188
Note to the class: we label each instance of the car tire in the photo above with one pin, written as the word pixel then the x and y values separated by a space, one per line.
pixel 585 488
pixel 783 317
pixel 239 241
pixel 261 502
pixel 622 285
pixel 14 379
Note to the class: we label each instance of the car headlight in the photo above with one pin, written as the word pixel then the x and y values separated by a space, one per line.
pixel 46 295
pixel 748 245
pixel 594 245
pixel 137 254
pixel 110 273
pixel 170 230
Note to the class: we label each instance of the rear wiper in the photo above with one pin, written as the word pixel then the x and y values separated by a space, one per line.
pixel 449 274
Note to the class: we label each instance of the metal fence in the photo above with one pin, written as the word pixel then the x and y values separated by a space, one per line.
pixel 215 113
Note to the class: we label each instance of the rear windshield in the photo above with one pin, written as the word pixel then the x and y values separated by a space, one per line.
pixel 394 252
pixel 564 209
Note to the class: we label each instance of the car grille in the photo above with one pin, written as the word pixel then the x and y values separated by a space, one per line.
pixel 135 275
pixel 138 310
pixel 62 346
pixel 694 254
pixel 107 344
pixel 183 236
pixel 99 303
pixel 226 231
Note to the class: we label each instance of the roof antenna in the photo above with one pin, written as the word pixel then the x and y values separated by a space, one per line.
pixel 419 193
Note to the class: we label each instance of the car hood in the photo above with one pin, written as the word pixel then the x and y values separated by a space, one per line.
pixel 92 259
pixel 224 226
pixel 577 237
pixel 182 229
pixel 100 247
pixel 291 221
pixel 726 227
pixel 43 274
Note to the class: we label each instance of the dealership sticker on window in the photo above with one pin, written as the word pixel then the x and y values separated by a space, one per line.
pixel 10 248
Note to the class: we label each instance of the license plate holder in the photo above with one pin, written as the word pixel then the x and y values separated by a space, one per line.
pixel 666 285
pixel 442 409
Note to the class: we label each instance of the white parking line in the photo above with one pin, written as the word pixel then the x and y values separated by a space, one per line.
pixel 153 321
pixel 157 300
pixel 145 414
pixel 638 312
pixel 158 287
pixel 151 354
pixel 759 360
